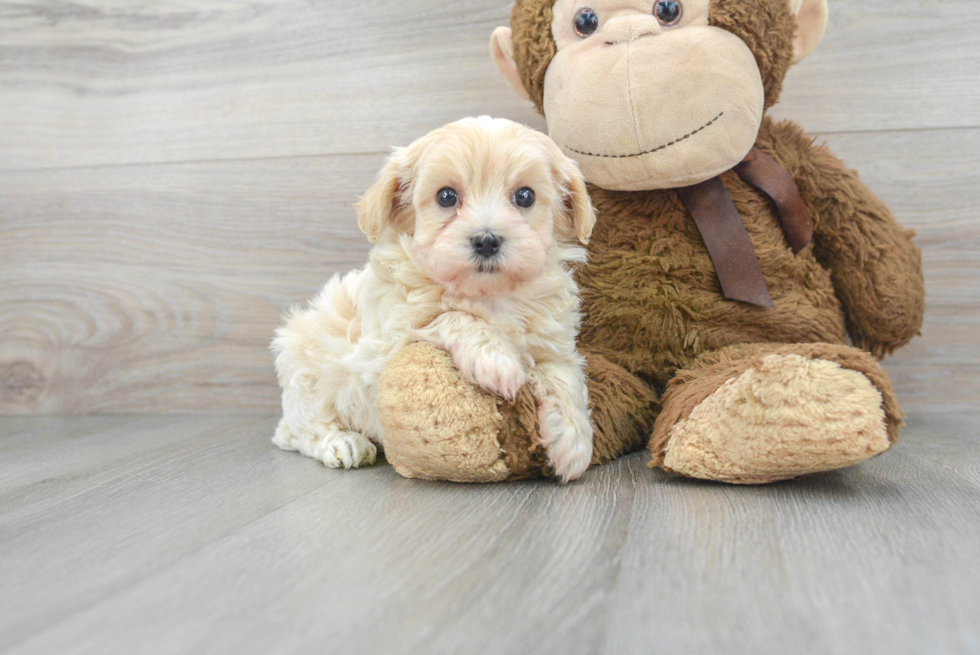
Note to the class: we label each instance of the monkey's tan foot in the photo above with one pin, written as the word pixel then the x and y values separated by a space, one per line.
pixel 761 413
pixel 438 426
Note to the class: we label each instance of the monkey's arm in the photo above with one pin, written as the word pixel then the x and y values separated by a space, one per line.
pixel 875 266
pixel 482 356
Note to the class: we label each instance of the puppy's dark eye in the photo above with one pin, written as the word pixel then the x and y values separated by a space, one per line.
pixel 586 21
pixel 668 12
pixel 524 197
pixel 447 197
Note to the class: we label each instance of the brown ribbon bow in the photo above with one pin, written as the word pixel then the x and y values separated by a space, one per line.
pixel 723 231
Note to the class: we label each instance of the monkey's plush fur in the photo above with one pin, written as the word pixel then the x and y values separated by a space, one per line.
pixel 719 389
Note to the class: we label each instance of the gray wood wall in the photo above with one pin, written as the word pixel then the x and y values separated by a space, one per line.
pixel 173 175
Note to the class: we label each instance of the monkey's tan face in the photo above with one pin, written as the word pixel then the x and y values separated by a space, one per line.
pixel 646 95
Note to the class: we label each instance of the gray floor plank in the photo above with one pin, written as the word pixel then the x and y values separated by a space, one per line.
pixel 219 543
pixel 77 447
pixel 72 539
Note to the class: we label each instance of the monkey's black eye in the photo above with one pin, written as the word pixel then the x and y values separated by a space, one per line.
pixel 668 12
pixel 447 197
pixel 524 197
pixel 586 21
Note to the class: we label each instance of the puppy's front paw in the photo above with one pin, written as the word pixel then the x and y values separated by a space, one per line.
pixel 570 459
pixel 499 373
pixel 346 450
pixel 569 447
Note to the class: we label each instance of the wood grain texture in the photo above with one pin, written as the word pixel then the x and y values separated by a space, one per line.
pixel 175 81
pixel 890 66
pixel 96 82
pixel 157 288
pixel 178 535
pixel 173 176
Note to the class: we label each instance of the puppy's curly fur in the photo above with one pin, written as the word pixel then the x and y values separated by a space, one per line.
pixel 508 314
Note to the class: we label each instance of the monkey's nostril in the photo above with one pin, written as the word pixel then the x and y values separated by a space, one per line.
pixel 486 245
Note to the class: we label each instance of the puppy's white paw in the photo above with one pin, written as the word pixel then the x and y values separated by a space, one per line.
pixel 499 373
pixel 346 450
pixel 569 447
pixel 570 459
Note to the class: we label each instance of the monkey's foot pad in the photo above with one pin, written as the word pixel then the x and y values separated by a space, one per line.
pixel 438 426
pixel 787 416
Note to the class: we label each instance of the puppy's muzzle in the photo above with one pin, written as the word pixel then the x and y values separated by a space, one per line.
pixel 486 245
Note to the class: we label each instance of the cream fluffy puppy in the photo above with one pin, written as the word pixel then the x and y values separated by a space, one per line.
pixel 476 226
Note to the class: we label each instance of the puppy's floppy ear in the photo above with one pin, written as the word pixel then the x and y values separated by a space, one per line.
pixel 578 214
pixel 383 204
pixel 578 206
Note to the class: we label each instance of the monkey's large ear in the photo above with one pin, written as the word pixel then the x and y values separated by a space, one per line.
pixel 382 203
pixel 578 204
pixel 811 24
pixel 502 51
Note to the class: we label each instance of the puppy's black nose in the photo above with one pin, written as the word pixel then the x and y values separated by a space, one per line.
pixel 486 245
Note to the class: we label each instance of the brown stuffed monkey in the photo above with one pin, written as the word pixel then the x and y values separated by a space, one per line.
pixel 732 260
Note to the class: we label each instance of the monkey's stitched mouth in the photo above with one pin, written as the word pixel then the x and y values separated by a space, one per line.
pixel 652 150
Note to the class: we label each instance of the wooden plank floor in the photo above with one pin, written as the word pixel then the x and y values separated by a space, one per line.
pixel 194 535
